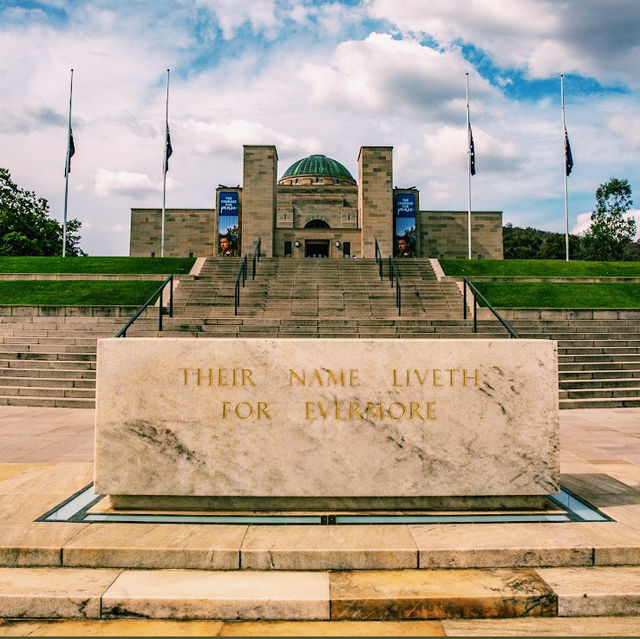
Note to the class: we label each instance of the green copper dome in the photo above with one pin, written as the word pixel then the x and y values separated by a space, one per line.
pixel 318 165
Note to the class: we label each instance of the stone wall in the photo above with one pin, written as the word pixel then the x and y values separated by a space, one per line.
pixel 335 205
pixel 259 197
pixel 333 235
pixel 187 232
pixel 375 199
pixel 443 234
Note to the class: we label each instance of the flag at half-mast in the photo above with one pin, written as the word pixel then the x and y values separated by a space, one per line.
pixel 472 152
pixel 568 158
pixel 71 149
pixel 168 150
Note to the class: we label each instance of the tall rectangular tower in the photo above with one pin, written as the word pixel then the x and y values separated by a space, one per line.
pixel 259 197
pixel 375 199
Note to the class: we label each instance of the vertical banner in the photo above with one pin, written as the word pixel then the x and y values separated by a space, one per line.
pixel 228 224
pixel 404 224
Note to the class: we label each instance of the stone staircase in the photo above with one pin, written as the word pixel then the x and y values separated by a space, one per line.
pixel 51 361
pixel 598 359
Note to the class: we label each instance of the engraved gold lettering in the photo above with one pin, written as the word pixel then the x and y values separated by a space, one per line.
pixel 222 377
pixel 339 415
pixel 338 380
pixel 451 372
pixel 225 409
pixel 186 374
pixel 436 377
pixel 247 412
pixel 431 410
pixel 414 409
pixel 308 406
pixel 395 377
pixel 353 377
pixel 354 410
pixel 315 376
pixel 301 379
pixel 375 410
pixel 402 408
pixel 466 376
pixel 323 411
pixel 262 410
pixel 421 380
pixel 247 377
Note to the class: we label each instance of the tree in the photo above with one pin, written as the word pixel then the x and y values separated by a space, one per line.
pixel 610 232
pixel 25 225
pixel 530 243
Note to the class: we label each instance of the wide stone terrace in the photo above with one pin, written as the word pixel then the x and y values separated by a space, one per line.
pixel 471 579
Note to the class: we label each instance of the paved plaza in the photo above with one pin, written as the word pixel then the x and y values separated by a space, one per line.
pixel 590 571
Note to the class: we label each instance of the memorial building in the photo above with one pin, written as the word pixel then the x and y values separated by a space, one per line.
pixel 317 209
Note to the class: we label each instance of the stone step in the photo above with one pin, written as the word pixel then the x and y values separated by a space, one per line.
pixel 579 384
pixel 48 348
pixel 600 393
pixel 627 402
pixel 34 356
pixel 46 382
pixel 50 392
pixel 50 373
pixel 46 402
pixel 304 595
pixel 47 364
pixel 595 365
pixel 599 373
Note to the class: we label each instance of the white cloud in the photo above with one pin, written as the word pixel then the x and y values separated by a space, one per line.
pixel 395 77
pixel 627 129
pixel 545 37
pixel 231 14
pixel 129 184
pixel 583 222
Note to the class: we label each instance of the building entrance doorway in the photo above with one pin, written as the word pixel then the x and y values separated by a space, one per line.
pixel 316 248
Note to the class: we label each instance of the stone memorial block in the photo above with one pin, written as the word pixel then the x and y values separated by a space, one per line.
pixel 325 423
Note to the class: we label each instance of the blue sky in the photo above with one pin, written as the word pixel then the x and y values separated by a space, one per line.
pixel 319 77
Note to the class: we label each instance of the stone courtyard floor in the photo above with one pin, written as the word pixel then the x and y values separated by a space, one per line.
pixel 593 568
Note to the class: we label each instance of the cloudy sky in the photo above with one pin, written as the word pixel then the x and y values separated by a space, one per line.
pixel 318 76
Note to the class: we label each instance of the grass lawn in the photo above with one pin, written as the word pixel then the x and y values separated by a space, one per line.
pixel 539 268
pixel 108 265
pixel 560 295
pixel 75 292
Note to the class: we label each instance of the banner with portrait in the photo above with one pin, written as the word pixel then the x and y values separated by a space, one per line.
pixel 404 224
pixel 228 223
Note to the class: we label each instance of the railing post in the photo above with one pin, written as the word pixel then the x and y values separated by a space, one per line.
pixel 399 297
pixel 244 271
pixel 390 271
pixel 236 296
pixel 160 310
pixel 475 313
pixel 171 296
pixel 464 299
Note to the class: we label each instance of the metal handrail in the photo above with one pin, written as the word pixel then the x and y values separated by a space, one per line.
pixel 159 291
pixel 394 277
pixel 379 259
pixel 477 294
pixel 256 258
pixel 242 272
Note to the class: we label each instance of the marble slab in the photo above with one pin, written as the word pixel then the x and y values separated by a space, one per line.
pixel 328 548
pixel 332 629
pixel 343 418
pixel 197 594
pixel 440 594
pixel 53 592
pixel 595 591
pixel 156 546
pixel 501 545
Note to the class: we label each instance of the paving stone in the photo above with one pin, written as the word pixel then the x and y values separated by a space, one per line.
pixel 333 628
pixel 543 626
pixel 156 546
pixel 438 594
pixel 595 591
pixel 328 547
pixel 53 592
pixel 195 594
pixel 500 545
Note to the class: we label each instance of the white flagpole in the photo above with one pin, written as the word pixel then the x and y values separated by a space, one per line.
pixel 564 170
pixel 66 175
pixel 468 173
pixel 164 168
